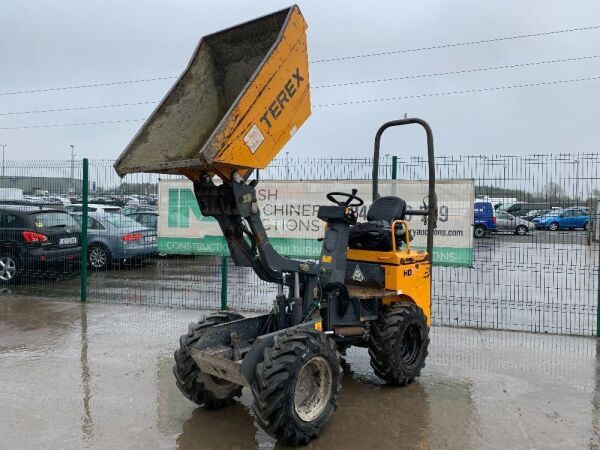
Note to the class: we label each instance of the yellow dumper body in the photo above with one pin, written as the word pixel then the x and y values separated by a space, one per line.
pixel 244 93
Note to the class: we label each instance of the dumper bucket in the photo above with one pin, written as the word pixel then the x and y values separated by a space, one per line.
pixel 243 95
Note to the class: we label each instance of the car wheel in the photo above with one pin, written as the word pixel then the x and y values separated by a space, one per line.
pixel 479 231
pixel 521 230
pixel 586 226
pixel 553 226
pixel 98 257
pixel 9 267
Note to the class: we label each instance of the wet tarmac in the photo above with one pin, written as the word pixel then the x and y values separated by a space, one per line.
pixel 99 376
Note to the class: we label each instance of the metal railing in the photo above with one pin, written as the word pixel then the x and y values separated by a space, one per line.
pixel 544 281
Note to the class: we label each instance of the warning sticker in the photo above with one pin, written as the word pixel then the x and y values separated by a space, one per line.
pixel 254 138
pixel 358 275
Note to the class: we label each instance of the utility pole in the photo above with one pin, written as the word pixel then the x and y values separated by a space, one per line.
pixel 71 190
pixel 3 147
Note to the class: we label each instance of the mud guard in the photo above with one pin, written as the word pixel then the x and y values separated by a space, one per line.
pixel 218 352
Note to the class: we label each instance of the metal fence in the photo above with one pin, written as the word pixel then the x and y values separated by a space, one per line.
pixel 545 281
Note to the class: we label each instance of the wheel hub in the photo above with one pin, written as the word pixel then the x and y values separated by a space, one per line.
pixel 410 346
pixel 312 389
pixel 8 268
pixel 97 258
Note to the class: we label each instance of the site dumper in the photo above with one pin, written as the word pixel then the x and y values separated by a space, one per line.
pixel 243 95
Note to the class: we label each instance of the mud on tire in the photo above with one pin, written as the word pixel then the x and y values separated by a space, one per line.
pixel 399 343
pixel 199 387
pixel 297 386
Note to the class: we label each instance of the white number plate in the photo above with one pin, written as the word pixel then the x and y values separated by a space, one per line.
pixel 67 241
pixel 150 239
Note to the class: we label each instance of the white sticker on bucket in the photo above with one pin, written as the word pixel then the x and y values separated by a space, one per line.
pixel 254 138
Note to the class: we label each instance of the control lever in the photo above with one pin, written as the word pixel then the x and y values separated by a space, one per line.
pixel 354 192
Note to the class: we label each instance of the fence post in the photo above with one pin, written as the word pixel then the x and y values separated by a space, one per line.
pixel 598 286
pixel 394 167
pixel 597 216
pixel 223 283
pixel 84 229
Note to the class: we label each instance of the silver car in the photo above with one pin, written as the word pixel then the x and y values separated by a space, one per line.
pixel 113 237
pixel 506 222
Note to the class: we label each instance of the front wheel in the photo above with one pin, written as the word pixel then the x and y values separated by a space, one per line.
pixel 586 226
pixel 199 387
pixel 399 343
pixel 553 226
pixel 297 386
pixel 521 230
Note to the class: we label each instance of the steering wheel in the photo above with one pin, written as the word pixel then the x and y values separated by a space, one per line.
pixel 349 198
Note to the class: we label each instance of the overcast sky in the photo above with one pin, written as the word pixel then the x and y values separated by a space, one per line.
pixel 48 44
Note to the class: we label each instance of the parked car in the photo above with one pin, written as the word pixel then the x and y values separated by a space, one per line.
pixel 484 220
pixel 113 237
pixel 129 210
pixel 148 218
pixel 94 207
pixel 521 209
pixel 508 222
pixel 565 219
pixel 36 240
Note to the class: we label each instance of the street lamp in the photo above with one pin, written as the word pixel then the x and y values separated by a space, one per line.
pixel 3 147
pixel 72 169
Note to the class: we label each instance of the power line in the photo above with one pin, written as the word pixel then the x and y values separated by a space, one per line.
pixel 77 108
pixel 349 83
pixel 456 72
pixel 352 102
pixel 83 86
pixel 457 44
pixel 341 58
pixel 465 91
pixel 71 124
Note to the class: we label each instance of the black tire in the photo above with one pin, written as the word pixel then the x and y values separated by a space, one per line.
pixel 554 226
pixel 282 408
pixel 197 386
pixel 479 231
pixel 11 267
pixel 98 257
pixel 521 230
pixel 586 226
pixel 399 343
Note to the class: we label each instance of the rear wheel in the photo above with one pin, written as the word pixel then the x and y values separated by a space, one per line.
pixel 98 257
pixel 297 386
pixel 553 226
pixel 399 343
pixel 10 267
pixel 479 231
pixel 521 230
pixel 199 387
pixel 586 226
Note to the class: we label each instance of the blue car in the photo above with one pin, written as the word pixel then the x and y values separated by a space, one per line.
pixel 484 220
pixel 567 219
pixel 113 237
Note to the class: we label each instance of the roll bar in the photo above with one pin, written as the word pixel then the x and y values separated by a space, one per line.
pixel 432 210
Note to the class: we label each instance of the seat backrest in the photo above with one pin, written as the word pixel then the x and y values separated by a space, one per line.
pixel 387 208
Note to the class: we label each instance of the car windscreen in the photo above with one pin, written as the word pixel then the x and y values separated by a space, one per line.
pixel 121 221
pixel 55 219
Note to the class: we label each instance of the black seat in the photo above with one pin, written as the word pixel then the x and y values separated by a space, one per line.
pixel 375 234
pixel 387 208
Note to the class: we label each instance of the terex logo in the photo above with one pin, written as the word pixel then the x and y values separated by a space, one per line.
pixel 284 96
pixel 181 202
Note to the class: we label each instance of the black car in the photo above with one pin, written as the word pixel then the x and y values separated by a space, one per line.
pixel 36 240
